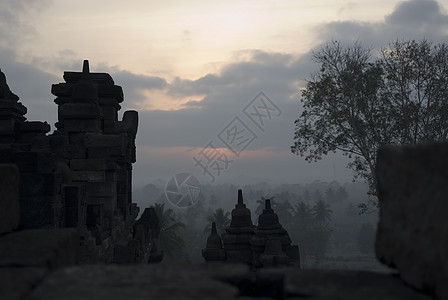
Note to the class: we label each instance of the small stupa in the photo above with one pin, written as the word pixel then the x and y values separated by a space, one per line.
pixel 265 245
pixel 213 250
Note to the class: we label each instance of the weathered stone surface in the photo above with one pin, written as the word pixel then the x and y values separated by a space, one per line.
pixel 101 189
pixel 73 177
pixel 75 151
pixel 72 194
pixel 38 184
pixel 88 176
pixel 39 199
pixel 5 91
pixel 133 282
pixel 38 211
pixel 106 140
pixel 10 108
pixel 88 125
pixel 7 127
pixel 30 162
pixel 16 283
pixel 94 214
pixel 113 94
pixel 101 152
pixel 74 211
pixel 110 113
pixel 413 229
pixel 79 111
pixel 46 248
pixel 36 127
pixel 88 164
pixel 219 281
pixel 338 284
pixel 9 198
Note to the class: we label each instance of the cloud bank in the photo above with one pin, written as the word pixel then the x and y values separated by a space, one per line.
pixel 202 107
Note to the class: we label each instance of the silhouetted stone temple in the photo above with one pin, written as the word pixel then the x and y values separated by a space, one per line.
pixel 80 176
pixel 237 237
pixel 214 250
pixel 267 244
pixel 271 244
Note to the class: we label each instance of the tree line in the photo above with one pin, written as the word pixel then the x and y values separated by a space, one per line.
pixel 308 219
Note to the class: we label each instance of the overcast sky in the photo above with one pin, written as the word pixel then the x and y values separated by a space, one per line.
pixel 193 69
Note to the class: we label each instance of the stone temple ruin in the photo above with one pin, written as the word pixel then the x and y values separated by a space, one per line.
pixel 80 175
pixel 265 245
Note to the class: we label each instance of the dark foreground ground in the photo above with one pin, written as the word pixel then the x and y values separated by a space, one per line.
pixel 201 282
pixel 38 264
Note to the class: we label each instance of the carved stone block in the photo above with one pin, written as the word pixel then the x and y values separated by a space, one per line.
pixel 39 184
pixel 413 229
pixel 7 127
pixel 100 188
pixel 9 198
pixel 88 176
pixel 75 151
pixel 88 125
pixel 88 164
pixel 105 141
pixel 107 152
pixel 39 211
pixel 34 162
pixel 79 111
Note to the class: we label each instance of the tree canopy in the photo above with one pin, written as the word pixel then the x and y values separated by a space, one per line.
pixel 221 218
pixel 360 100
pixel 312 229
pixel 169 240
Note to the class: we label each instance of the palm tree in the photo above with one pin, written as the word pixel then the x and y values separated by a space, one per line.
pixel 221 218
pixel 169 241
pixel 321 212
pixel 311 229
pixel 303 214
pixel 285 212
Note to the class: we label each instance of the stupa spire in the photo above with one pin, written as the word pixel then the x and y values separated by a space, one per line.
pixel 85 67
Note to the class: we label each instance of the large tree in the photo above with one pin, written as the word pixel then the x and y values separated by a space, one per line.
pixel 360 100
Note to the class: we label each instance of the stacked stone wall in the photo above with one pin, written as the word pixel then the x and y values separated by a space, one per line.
pixel 80 175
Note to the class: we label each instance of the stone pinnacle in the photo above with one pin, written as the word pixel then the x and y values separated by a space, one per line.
pixel 85 66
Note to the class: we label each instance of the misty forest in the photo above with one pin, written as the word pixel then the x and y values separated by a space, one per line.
pixel 357 102
pixel 322 218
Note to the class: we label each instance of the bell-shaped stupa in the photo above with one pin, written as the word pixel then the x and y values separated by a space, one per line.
pixel 239 233
pixel 213 250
